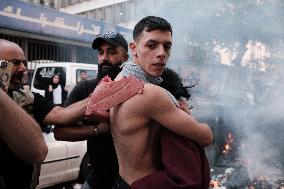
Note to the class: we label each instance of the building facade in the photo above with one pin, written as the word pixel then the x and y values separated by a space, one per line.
pixel 48 35
pixel 120 12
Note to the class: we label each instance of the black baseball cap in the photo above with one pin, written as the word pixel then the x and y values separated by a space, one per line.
pixel 112 38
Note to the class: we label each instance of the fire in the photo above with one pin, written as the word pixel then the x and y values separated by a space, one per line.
pixel 222 178
pixel 229 142
pixel 214 184
pixel 281 185
pixel 227 147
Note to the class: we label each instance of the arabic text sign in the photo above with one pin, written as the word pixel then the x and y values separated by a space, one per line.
pixel 26 17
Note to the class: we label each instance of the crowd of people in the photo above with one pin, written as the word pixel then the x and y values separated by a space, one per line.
pixel 150 140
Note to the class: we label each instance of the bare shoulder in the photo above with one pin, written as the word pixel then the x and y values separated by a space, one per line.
pixel 152 97
pixel 151 92
pixel 154 91
pixel 144 106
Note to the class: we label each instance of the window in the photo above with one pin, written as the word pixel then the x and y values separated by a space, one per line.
pixel 109 16
pixel 43 76
pixel 120 13
pixel 83 74
pixel 100 14
pixel 51 4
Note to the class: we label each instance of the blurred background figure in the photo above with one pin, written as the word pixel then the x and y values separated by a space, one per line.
pixel 26 81
pixel 56 93
pixel 83 76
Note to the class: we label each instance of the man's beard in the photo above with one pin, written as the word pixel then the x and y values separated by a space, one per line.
pixel 112 70
pixel 16 81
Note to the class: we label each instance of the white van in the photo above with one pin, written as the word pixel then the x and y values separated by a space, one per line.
pixel 69 74
pixel 65 161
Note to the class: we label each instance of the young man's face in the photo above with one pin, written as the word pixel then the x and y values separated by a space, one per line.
pixel 15 54
pixel 152 51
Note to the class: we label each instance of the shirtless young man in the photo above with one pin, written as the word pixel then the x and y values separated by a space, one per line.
pixel 135 124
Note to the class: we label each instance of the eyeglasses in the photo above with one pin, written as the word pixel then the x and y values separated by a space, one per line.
pixel 17 62
pixel 4 63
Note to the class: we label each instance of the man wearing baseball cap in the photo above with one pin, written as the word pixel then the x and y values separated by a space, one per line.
pixel 112 52
pixel 115 39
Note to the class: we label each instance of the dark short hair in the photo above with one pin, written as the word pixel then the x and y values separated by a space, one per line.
pixel 173 83
pixel 151 23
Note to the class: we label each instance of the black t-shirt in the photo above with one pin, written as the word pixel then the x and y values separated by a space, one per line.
pixel 41 107
pixel 14 171
pixel 101 149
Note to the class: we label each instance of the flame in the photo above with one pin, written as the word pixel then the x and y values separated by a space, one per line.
pixel 229 141
pixel 214 183
pixel 227 147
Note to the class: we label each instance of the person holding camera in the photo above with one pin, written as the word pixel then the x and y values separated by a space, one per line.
pixel 15 172
pixel 18 128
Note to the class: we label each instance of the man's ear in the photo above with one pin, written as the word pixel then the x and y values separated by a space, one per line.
pixel 132 46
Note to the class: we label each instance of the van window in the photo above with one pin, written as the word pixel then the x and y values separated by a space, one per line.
pixel 84 74
pixel 43 76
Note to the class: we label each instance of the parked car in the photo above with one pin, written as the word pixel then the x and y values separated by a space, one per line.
pixel 65 161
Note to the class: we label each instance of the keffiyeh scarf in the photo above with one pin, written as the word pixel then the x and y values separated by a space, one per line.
pixel 135 70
